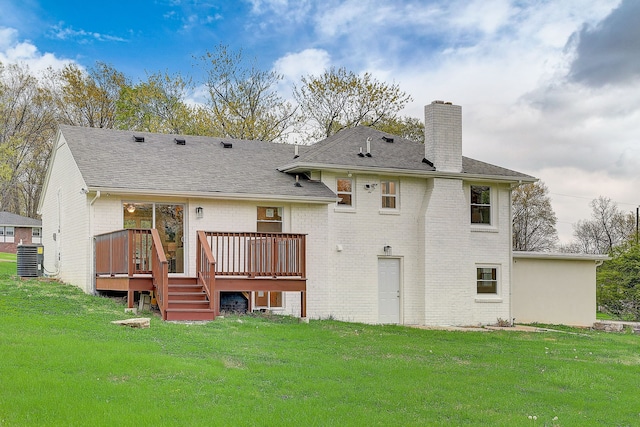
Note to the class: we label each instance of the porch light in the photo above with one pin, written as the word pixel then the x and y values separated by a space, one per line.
pixel 387 250
pixel 131 208
pixel 199 212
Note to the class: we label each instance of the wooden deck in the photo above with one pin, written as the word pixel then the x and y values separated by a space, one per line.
pixel 132 261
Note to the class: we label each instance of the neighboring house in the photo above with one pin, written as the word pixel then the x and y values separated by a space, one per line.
pixel 378 229
pixel 16 230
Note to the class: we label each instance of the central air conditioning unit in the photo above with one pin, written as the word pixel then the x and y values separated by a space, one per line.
pixel 30 259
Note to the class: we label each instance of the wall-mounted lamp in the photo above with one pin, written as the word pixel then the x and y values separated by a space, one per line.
pixel 387 250
pixel 131 208
pixel 199 212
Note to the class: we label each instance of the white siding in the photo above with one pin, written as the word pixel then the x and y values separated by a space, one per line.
pixel 65 214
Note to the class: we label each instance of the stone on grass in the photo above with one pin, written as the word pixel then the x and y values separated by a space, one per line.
pixel 138 322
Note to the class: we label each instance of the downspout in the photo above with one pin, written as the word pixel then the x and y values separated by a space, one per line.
pixel 91 251
pixel 511 187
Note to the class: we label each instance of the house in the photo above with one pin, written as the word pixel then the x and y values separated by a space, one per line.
pixel 16 230
pixel 363 226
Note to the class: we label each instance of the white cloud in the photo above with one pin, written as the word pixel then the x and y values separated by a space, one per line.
pixel 13 51
pixel 308 61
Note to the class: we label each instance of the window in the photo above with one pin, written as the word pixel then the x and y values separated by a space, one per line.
pixel 35 232
pixel 269 219
pixel 487 280
pixel 389 190
pixel 8 233
pixel 1 234
pixel 480 204
pixel 268 299
pixel 345 192
pixel 36 235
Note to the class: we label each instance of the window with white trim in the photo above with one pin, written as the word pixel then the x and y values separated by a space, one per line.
pixel 36 235
pixel 8 234
pixel 481 204
pixel 487 280
pixel 1 234
pixel 344 188
pixel 389 194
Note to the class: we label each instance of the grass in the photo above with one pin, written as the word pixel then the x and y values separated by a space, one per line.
pixel 7 263
pixel 63 363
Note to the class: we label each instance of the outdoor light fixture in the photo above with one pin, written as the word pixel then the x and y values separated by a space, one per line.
pixel 199 212
pixel 131 208
pixel 387 250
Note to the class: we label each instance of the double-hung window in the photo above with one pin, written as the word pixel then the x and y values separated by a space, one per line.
pixel 389 193
pixel 8 234
pixel 487 280
pixel 481 204
pixel 345 192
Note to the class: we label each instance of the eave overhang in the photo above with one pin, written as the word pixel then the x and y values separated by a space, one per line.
pixel 304 167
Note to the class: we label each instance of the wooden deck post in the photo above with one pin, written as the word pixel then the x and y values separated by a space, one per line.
pixel 303 304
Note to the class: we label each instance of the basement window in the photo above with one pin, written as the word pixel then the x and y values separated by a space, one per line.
pixel 138 138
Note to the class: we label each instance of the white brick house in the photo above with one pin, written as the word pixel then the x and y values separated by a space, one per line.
pixel 396 231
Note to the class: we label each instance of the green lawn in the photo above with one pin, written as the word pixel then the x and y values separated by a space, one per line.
pixel 63 363
pixel 7 263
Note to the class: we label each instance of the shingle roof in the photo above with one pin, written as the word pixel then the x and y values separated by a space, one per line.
pixel 342 149
pixel 111 159
pixel 11 219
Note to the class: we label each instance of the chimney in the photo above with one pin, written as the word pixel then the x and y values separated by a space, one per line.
pixel 443 136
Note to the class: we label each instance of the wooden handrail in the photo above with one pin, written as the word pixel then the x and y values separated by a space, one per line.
pixel 258 254
pixel 160 272
pixel 205 269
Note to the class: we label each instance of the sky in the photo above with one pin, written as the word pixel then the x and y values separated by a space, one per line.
pixel 549 88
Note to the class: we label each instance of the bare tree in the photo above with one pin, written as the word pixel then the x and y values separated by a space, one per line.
pixel 607 228
pixel 534 221
pixel 339 99
pixel 243 99
pixel 87 98
pixel 27 125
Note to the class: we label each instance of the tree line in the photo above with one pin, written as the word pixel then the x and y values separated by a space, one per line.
pixel 241 101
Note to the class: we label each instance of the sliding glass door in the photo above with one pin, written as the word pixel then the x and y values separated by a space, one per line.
pixel 168 219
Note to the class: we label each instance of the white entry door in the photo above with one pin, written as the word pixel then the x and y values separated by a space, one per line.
pixel 388 290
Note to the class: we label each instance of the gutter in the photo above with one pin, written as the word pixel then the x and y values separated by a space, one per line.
pixel 291 168
pixel 209 195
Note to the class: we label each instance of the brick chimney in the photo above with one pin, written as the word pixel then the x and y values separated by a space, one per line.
pixel 443 136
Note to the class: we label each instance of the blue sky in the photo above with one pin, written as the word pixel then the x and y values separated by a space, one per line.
pixel 547 87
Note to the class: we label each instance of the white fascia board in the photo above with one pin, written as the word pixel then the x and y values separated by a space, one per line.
pixel 216 196
pixel 560 256
pixel 300 168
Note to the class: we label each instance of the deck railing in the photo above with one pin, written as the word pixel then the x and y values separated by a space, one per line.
pixel 160 272
pixel 258 254
pixel 123 252
pixel 205 268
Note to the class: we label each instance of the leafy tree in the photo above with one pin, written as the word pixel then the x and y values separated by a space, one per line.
pixel 618 289
pixel 87 98
pixel 157 105
pixel 534 221
pixel 243 100
pixel 27 125
pixel 406 127
pixel 607 228
pixel 339 99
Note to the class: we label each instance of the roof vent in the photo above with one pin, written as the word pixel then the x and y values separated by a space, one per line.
pixel 361 154
pixel 226 144
pixel 138 138
pixel 387 139
pixel 427 162
pixel 180 141
pixel 297 184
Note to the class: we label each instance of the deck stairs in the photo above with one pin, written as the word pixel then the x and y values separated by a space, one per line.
pixel 187 300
